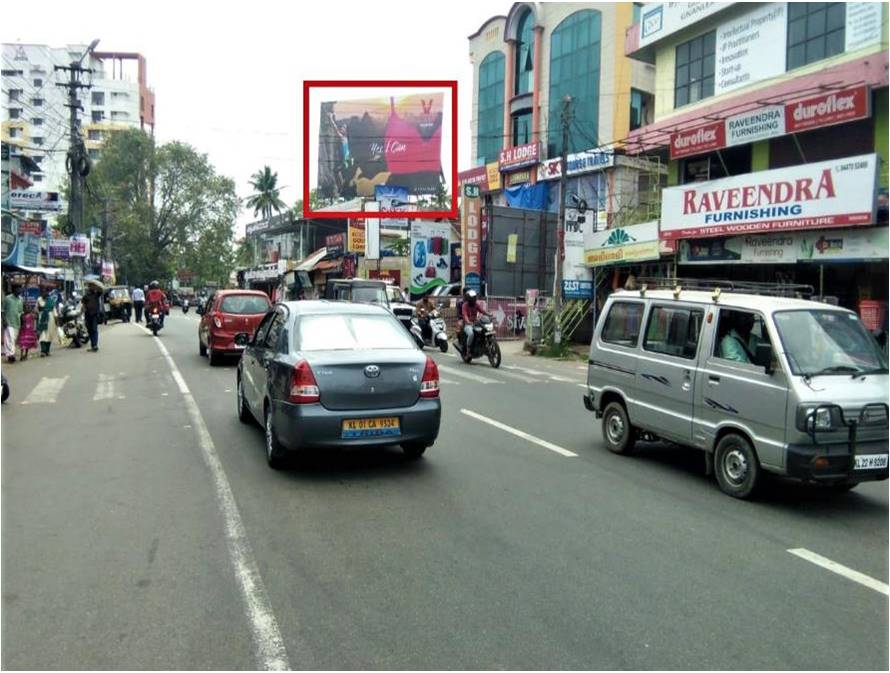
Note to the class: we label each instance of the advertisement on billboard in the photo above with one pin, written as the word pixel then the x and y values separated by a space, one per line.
pixel 471 242
pixel 355 235
pixel 636 243
pixel 750 47
pixel 824 194
pixel 392 197
pixel 430 255
pixel 23 199
pixel 380 141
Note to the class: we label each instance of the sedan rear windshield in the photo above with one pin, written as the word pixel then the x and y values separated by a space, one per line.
pixel 244 304
pixel 351 332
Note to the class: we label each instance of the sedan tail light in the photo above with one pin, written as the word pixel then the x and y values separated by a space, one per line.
pixel 303 386
pixel 429 385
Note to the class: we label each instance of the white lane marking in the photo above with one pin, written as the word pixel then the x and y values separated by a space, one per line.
pixel 105 388
pixel 562 379
pixel 842 570
pixel 449 382
pixel 46 391
pixel 519 433
pixel 535 372
pixel 467 375
pixel 519 377
pixel 267 637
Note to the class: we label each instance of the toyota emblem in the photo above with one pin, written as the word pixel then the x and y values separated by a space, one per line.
pixel 372 371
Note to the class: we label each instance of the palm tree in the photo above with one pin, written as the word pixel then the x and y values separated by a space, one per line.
pixel 265 196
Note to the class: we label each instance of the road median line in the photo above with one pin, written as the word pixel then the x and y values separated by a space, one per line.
pixel 841 570
pixel 519 433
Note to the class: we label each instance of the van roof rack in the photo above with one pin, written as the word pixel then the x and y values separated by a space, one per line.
pixel 793 290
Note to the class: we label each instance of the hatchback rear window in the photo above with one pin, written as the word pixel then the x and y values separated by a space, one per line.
pixel 244 304
pixel 348 332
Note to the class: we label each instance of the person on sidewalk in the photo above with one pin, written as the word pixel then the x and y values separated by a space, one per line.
pixel 93 311
pixel 13 307
pixel 46 322
pixel 138 302
pixel 28 333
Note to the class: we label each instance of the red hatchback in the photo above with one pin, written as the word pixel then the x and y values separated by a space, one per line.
pixel 227 313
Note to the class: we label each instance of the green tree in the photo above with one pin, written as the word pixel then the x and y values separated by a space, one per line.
pixel 266 193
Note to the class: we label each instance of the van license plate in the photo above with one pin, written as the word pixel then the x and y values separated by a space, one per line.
pixel 370 427
pixel 871 461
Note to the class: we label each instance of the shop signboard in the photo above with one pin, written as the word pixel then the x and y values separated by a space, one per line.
pixel 32 227
pixel 471 242
pixel 518 177
pixel 23 199
pixel 578 226
pixel 577 289
pixel 493 172
pixel 577 163
pixel 635 243
pixel 761 124
pixel 750 47
pixel 430 254
pixel 473 176
pixel 355 235
pixel 826 109
pixel 660 19
pixel 79 246
pixel 58 248
pixel 700 139
pixel 520 156
pixel 335 243
pixel 835 193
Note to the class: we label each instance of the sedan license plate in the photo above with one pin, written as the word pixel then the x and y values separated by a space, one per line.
pixel 871 461
pixel 370 427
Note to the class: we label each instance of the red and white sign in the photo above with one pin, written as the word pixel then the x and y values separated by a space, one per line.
pixel 772 121
pixel 698 140
pixel 826 109
pixel 522 155
pixel 835 193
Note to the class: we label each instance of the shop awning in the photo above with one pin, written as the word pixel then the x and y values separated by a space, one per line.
pixel 308 264
pixel 41 270
pixel 328 265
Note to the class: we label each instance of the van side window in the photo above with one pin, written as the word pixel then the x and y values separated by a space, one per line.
pixel 673 331
pixel 622 324
pixel 738 334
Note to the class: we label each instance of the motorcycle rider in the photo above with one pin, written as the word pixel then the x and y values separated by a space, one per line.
pixel 425 308
pixel 470 311
pixel 156 298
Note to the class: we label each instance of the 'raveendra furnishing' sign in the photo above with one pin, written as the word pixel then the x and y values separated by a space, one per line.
pixel 835 193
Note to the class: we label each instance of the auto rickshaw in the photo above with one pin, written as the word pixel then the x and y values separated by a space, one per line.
pixel 118 303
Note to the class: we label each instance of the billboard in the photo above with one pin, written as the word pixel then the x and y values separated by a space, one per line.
pixel 430 255
pixel 23 199
pixel 471 241
pixel 819 195
pixel 370 142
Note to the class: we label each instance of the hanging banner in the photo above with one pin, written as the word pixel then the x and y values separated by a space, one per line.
pixel 79 246
pixel 355 235
pixel 471 242
pixel 430 255
pixel 819 195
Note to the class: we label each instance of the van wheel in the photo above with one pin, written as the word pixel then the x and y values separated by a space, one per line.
pixel 620 436
pixel 736 466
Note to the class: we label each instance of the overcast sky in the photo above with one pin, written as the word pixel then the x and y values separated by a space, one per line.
pixel 228 77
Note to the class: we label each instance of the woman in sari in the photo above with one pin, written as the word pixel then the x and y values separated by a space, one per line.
pixel 46 321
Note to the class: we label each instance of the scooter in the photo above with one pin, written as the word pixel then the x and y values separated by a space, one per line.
pixel 185 305
pixel 72 323
pixel 438 335
pixel 484 343
pixel 154 320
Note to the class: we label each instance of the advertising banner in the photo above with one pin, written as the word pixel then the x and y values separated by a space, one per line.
pixel 519 156
pixel 512 243
pixel 700 139
pixel 471 242
pixel 430 255
pixel 335 243
pixel 79 246
pixel 862 25
pixel 392 197
pixel 380 141
pixel 355 235
pixel 828 108
pixel 32 227
pixel 819 195
pixel 22 199
pixel 751 47
pixel 638 242
pixel 577 228
pixel 577 289
pixel 58 248
pixel 493 171
pixel 108 275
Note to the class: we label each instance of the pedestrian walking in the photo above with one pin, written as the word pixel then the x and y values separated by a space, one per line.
pixel 28 333
pixel 46 321
pixel 13 307
pixel 93 311
pixel 138 302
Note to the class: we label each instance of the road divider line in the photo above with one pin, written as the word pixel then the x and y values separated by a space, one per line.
pixel 271 652
pixel 519 433
pixel 841 570
pixel 467 375
pixel 46 391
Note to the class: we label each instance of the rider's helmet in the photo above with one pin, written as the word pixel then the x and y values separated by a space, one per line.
pixel 471 297
pixel 154 285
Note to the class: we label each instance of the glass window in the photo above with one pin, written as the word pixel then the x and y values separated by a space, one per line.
pixel 15 113
pixel 490 131
pixel 36 102
pixel 815 32
pixel 641 105
pixel 94 134
pixel 575 72
pixel 38 82
pixel 37 121
pixel 262 328
pixel 694 70
pixel 622 324
pixel 525 57
pixel 244 304
pixel 277 324
pixel 37 140
pixel 522 128
pixel 738 335
pixel 351 332
pixel 827 342
pixel 98 97
pixel 673 331
pixel 98 115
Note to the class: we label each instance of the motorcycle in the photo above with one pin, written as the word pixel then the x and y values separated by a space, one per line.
pixel 154 320
pixel 185 305
pixel 72 322
pixel 484 343
pixel 438 335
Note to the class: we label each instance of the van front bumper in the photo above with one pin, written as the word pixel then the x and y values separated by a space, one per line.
pixel 800 462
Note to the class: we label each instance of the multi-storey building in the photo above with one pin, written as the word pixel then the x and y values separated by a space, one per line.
pixel 34 113
pixel 773 120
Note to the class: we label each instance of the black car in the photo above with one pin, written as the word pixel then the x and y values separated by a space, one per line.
pixel 332 375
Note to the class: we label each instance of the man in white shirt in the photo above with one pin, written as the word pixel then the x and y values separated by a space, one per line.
pixel 138 302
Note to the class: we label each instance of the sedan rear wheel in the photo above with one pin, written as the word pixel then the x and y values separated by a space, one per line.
pixel 274 450
pixel 413 449
pixel 244 414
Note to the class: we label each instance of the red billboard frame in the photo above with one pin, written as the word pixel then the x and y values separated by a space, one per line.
pixel 356 83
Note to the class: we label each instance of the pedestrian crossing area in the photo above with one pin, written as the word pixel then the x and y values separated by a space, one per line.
pixel 459 373
pixel 108 386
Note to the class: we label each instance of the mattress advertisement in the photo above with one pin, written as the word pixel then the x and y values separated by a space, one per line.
pixel 430 255
pixel 364 144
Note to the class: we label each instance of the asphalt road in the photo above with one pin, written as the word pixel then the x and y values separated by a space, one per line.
pixel 493 551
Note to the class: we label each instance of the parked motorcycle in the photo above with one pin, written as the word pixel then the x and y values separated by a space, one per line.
pixel 72 322
pixel 438 335
pixel 154 320
pixel 484 343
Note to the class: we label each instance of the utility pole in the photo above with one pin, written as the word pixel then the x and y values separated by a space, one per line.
pixel 565 119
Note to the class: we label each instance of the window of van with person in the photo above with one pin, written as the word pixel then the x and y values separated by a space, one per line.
pixel 738 335
pixel 622 326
